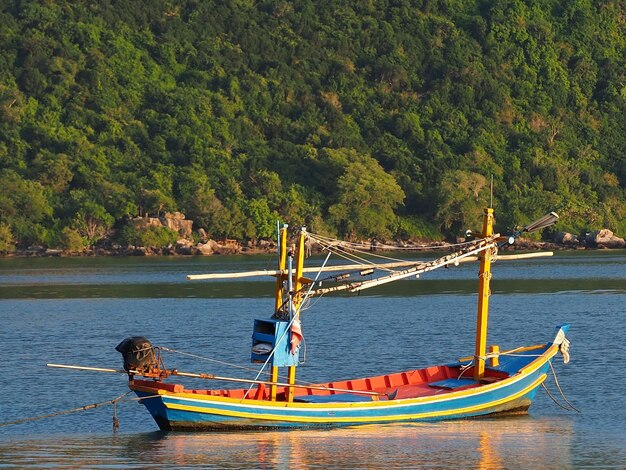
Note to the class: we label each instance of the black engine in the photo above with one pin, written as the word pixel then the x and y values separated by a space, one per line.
pixel 138 354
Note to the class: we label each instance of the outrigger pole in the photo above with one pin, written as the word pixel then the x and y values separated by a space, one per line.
pixel 220 377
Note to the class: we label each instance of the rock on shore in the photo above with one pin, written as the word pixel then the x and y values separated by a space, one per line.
pixel 604 239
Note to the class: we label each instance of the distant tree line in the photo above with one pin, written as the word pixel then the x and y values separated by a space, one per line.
pixel 357 119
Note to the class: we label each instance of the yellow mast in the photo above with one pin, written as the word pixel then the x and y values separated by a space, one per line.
pixel 298 281
pixel 282 267
pixel 484 278
pixel 280 279
pixel 296 301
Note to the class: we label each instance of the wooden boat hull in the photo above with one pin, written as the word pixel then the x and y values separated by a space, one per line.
pixel 526 370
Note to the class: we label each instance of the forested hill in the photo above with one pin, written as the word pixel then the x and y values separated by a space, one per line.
pixel 356 118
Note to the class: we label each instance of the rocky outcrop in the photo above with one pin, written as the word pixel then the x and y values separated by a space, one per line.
pixel 184 247
pixel 604 239
pixel 174 221
pixel 178 223
pixel 566 238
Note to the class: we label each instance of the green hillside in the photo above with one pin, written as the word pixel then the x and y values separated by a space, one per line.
pixel 355 118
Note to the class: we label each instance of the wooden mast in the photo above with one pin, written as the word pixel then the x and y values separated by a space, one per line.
pixel 280 279
pixel 298 281
pixel 282 267
pixel 296 301
pixel 484 278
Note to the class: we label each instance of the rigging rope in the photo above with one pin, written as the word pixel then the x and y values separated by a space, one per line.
pixel 295 316
pixel 350 257
pixel 331 245
pixel 417 268
pixel 224 363
pixel 365 246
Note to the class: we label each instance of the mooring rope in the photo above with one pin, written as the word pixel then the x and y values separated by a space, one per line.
pixel 464 368
pixel 65 412
pixel 555 400
pixel 558 386
pixel 114 402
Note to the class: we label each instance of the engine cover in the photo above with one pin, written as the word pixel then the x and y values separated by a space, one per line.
pixel 138 354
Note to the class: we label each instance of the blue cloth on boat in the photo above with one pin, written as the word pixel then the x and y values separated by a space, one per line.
pixel 338 397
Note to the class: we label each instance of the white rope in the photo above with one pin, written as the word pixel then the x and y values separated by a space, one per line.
pixel 296 315
pixel 383 246
pixel 332 246
pixel 342 253
pixel 492 355
pixel 418 268
pixel 229 364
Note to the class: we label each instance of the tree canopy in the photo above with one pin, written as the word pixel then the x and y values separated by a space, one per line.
pixel 385 118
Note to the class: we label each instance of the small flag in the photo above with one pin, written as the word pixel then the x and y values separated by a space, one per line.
pixel 296 335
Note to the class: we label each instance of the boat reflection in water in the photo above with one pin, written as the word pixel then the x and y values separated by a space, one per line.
pixel 515 442
pixel 522 442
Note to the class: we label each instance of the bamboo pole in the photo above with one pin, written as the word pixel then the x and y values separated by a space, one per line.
pixel 278 384
pixel 95 369
pixel 354 267
pixel 220 377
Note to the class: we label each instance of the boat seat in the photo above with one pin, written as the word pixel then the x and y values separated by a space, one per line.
pixel 452 384
pixel 338 397
pixel 512 364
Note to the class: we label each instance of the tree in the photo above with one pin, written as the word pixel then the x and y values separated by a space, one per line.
pixel 71 240
pixel 93 222
pixel 24 206
pixel 462 200
pixel 6 238
pixel 367 199
pixel 262 218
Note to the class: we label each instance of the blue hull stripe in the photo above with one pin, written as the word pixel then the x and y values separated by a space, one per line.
pixel 187 409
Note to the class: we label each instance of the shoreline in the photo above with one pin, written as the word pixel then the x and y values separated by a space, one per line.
pixel 267 248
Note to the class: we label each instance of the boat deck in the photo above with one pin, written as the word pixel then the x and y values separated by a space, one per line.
pixel 410 384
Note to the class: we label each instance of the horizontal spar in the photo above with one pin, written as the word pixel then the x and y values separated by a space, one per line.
pixel 499 257
pixel 314 269
pixel 348 267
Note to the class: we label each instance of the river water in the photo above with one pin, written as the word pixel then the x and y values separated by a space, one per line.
pixel 76 310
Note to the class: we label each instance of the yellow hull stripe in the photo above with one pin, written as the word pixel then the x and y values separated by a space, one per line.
pixel 359 419
pixel 267 405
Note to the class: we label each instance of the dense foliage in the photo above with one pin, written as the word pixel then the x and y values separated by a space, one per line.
pixel 370 118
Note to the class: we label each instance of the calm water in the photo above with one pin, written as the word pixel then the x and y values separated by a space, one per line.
pixel 75 311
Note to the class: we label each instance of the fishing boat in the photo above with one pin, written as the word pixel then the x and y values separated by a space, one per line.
pixel 490 381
